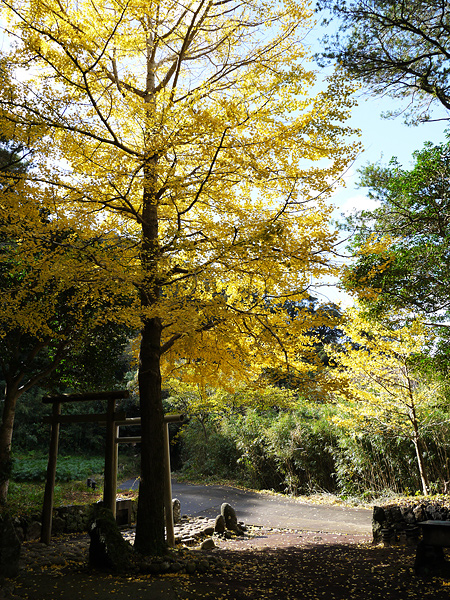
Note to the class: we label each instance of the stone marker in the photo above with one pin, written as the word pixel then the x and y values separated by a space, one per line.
pixel 108 550
pixel 229 514
pixel 176 507
pixel 219 524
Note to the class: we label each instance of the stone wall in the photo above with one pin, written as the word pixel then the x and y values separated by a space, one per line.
pixel 399 521
pixel 66 519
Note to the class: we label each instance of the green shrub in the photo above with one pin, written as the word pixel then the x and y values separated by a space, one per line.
pixel 68 468
pixel 301 446
pixel 207 451
pixel 299 450
pixel 257 460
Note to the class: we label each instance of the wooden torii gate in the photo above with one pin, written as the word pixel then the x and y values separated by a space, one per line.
pixel 113 421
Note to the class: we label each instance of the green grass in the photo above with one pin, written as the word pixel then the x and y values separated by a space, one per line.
pixel 26 498
pixel 32 466
pixel 28 467
pixel 27 485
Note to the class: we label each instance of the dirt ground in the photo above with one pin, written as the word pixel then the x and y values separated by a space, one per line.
pixel 289 565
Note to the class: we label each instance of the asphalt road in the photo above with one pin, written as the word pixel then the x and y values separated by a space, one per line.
pixel 267 510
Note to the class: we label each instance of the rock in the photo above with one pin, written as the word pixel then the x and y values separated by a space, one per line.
pixel 58 525
pixel 229 514
pixel 207 544
pixel 188 541
pixel 203 566
pixel 407 515
pixel 419 513
pixel 9 548
pixel 207 531
pixel 219 525
pixel 176 507
pixel 191 567
pixel 176 567
pixel 378 514
pixel 445 514
pixel 108 550
pixel 33 531
pixel 434 513
pixel 149 568
pixel 76 518
pixel 393 514
pixel 164 567
pixel 376 530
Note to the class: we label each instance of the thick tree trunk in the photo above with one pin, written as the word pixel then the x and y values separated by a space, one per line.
pixel 150 537
pixel 6 431
pixel 150 515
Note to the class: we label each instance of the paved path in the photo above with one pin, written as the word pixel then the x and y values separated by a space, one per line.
pixel 267 510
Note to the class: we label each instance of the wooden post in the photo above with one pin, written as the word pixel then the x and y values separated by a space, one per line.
pixel 110 488
pixel 110 482
pixel 174 418
pixel 47 510
pixel 116 464
pixel 170 533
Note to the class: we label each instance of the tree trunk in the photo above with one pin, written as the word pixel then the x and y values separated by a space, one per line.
pixel 6 431
pixel 422 470
pixel 420 460
pixel 416 437
pixel 150 514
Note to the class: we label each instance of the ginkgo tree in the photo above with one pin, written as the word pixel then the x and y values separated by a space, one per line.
pixel 189 129
pixel 202 402
pixel 53 301
pixel 384 393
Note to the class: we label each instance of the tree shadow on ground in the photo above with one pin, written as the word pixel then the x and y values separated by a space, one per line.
pixel 325 571
pixel 311 571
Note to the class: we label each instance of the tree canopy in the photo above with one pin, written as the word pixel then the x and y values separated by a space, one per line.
pixel 398 47
pixel 186 132
pixel 385 394
pixel 402 248
pixel 53 304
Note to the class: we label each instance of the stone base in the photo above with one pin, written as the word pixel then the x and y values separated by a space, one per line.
pixel 430 560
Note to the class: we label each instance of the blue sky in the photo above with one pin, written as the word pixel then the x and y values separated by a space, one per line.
pixel 382 139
